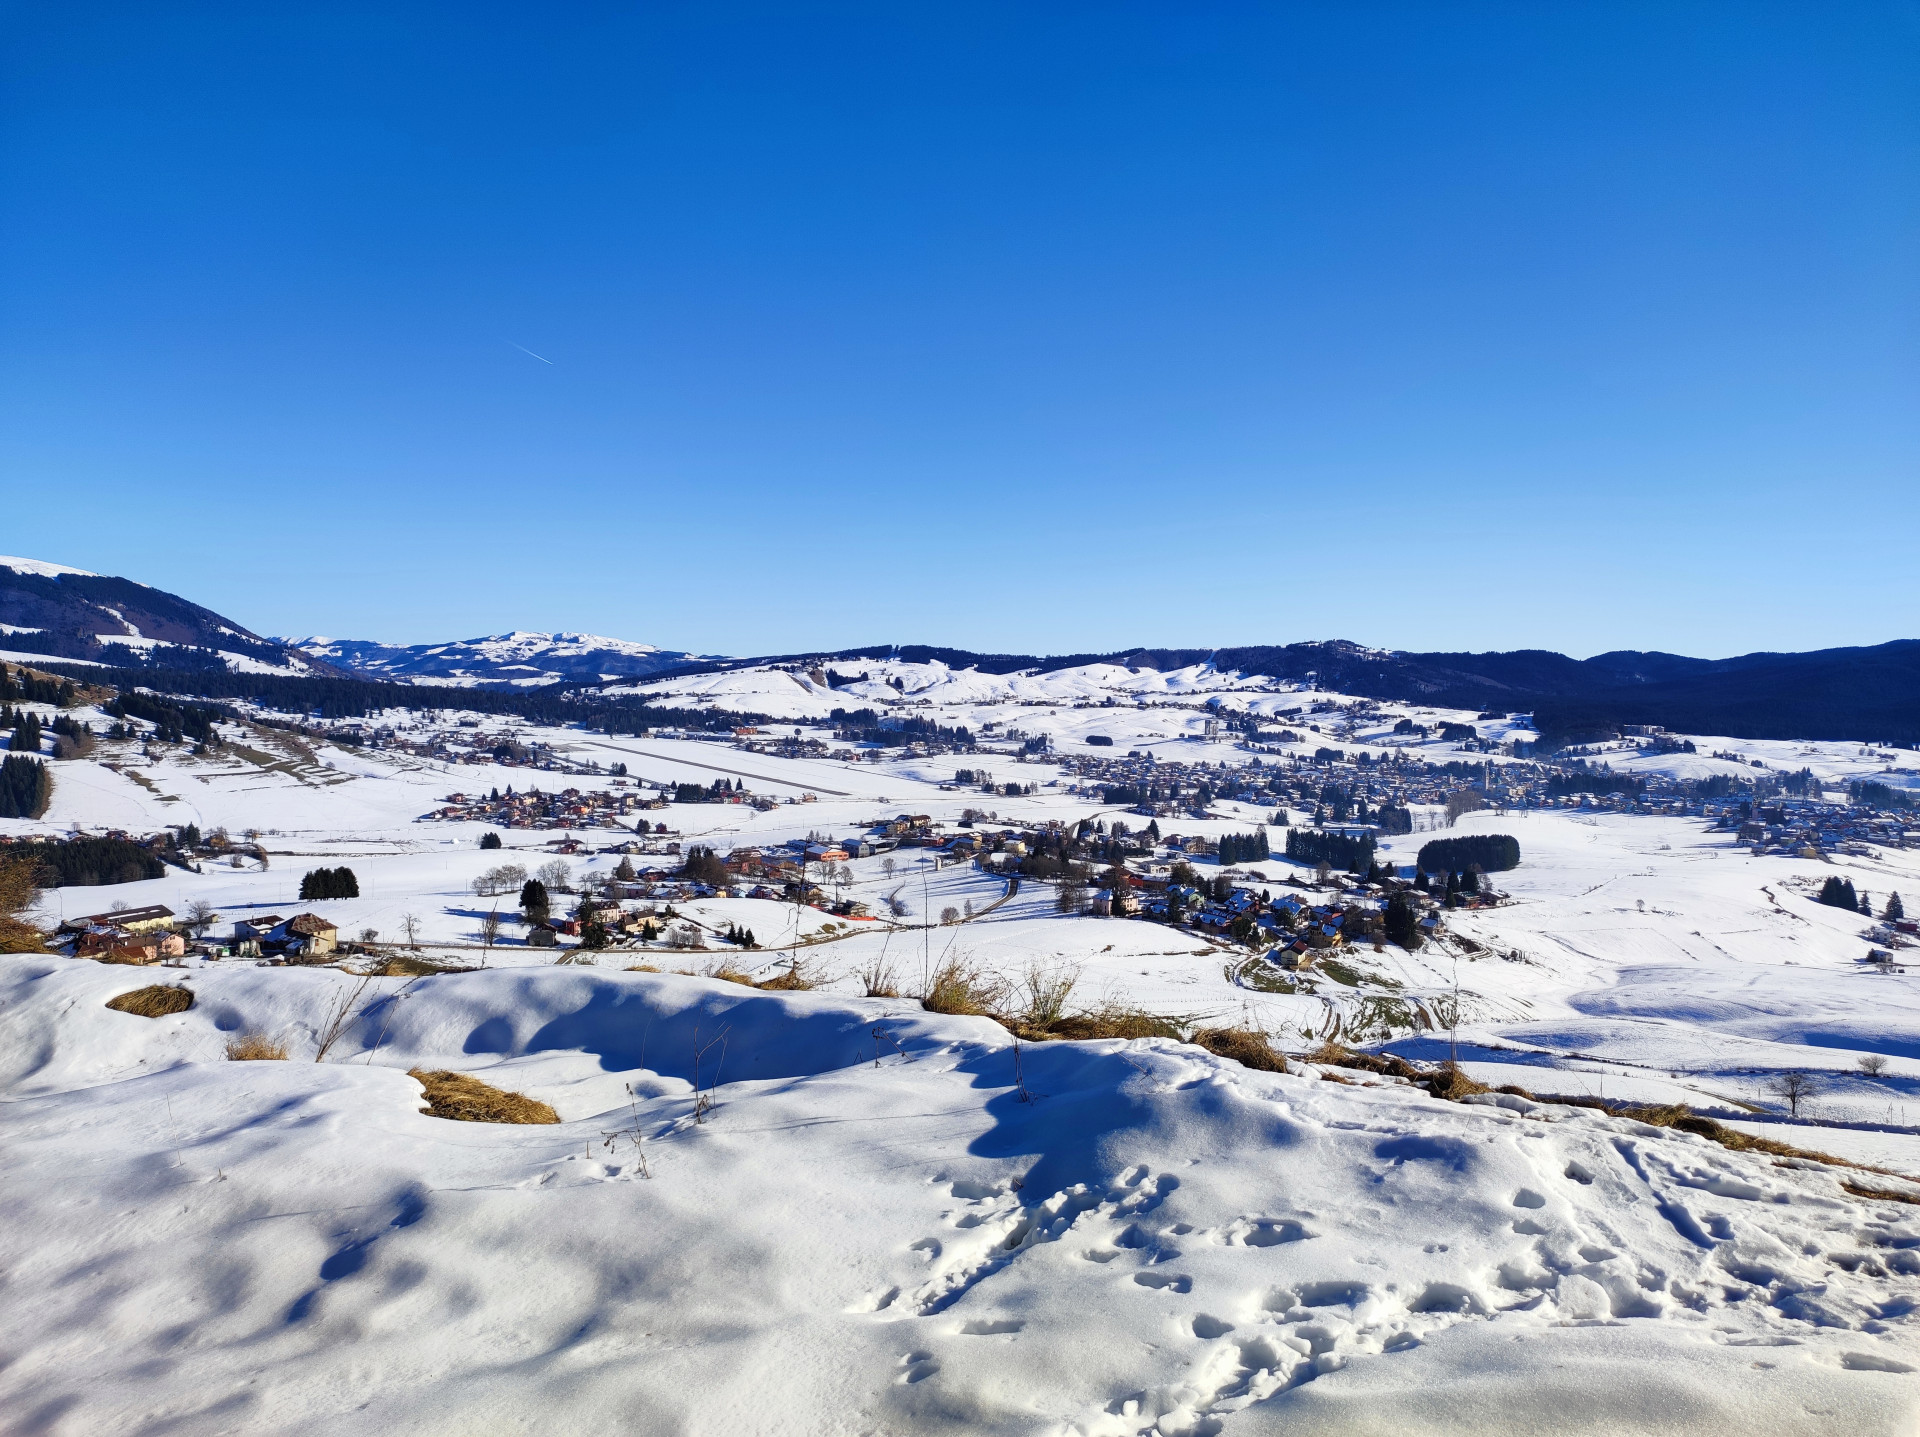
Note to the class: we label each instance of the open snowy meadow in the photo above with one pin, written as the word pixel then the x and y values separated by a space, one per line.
pixel 762 1211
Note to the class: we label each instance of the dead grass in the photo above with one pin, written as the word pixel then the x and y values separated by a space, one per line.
pixel 1682 1118
pixel 466 1099
pixel 156 1001
pixel 640 968
pixel 795 980
pixel 1110 1021
pixel 880 978
pixel 398 965
pixel 961 986
pixel 1245 1047
pixel 1452 1083
pixel 255 1048
pixel 130 957
pixel 727 973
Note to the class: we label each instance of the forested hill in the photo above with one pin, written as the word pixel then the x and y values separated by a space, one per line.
pixel 72 614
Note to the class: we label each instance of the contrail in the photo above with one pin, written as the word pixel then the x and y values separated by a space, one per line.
pixel 524 350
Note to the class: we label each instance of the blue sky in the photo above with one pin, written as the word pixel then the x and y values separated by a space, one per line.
pixel 1018 327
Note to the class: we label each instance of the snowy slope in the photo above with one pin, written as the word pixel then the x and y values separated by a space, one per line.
pixel 923 1231
pixel 520 658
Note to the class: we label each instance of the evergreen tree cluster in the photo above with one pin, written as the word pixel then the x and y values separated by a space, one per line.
pixel 1310 845
pixel 703 865
pixel 489 840
pixel 173 723
pixel 1869 794
pixel 1493 852
pixel 1837 892
pixel 741 937
pixel 25 724
pixel 1598 780
pixel 1402 922
pixel 535 901
pixel 88 862
pixel 1243 848
pixel 329 883
pixel 20 685
pixel 26 787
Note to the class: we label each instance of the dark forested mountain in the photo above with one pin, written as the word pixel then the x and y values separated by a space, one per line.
pixel 1864 693
pixel 70 613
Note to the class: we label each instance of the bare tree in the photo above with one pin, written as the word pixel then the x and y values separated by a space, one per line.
pixel 490 929
pixel 556 876
pixel 887 865
pixel 896 905
pixel 1793 1088
pixel 200 915
pixel 1464 802
pixel 367 935
pixel 949 915
pixel 1873 1064
pixel 410 925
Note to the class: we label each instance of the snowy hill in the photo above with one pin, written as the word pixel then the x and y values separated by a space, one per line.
pixel 56 611
pixel 521 658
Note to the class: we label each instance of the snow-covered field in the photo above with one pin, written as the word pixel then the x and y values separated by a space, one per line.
pixel 859 1217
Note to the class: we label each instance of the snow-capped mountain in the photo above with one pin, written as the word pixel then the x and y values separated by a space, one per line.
pixel 57 611
pixel 521 659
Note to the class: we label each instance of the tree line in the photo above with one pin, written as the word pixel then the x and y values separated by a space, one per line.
pixel 1492 852
pixel 1346 851
pixel 329 883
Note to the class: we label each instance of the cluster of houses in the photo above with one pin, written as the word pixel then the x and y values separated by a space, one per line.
pixel 153 934
pixel 569 808
pixel 1805 829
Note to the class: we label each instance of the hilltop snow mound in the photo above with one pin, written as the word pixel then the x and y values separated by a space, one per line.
pixel 876 1219
pixel 41 567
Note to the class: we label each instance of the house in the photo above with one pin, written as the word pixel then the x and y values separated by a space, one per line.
pixel 305 937
pixel 134 920
pixel 542 935
pixel 116 945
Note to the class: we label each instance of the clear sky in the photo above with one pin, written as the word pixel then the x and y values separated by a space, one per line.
pixel 1024 327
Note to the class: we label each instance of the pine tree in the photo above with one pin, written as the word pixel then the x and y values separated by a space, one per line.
pixel 1895 911
pixel 490 839
pixel 1837 892
pixel 534 901
pixel 1402 924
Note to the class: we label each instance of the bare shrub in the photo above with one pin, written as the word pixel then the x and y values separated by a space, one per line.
pixel 1873 1064
pixel 466 1099
pixel 255 1048
pixel 962 986
pixel 684 935
pixel 896 905
pixel 949 915
pixel 156 1001
pixel 1046 993
pixel 339 1016
pixel 880 978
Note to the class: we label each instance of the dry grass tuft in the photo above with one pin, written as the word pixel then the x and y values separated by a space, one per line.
pixel 1111 1021
pixel 1452 1083
pixel 727 973
pixel 640 968
pixel 880 978
pixel 254 1048
pixel 1245 1047
pixel 795 980
pixel 961 986
pixel 466 1099
pixel 156 1001
pixel 397 965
